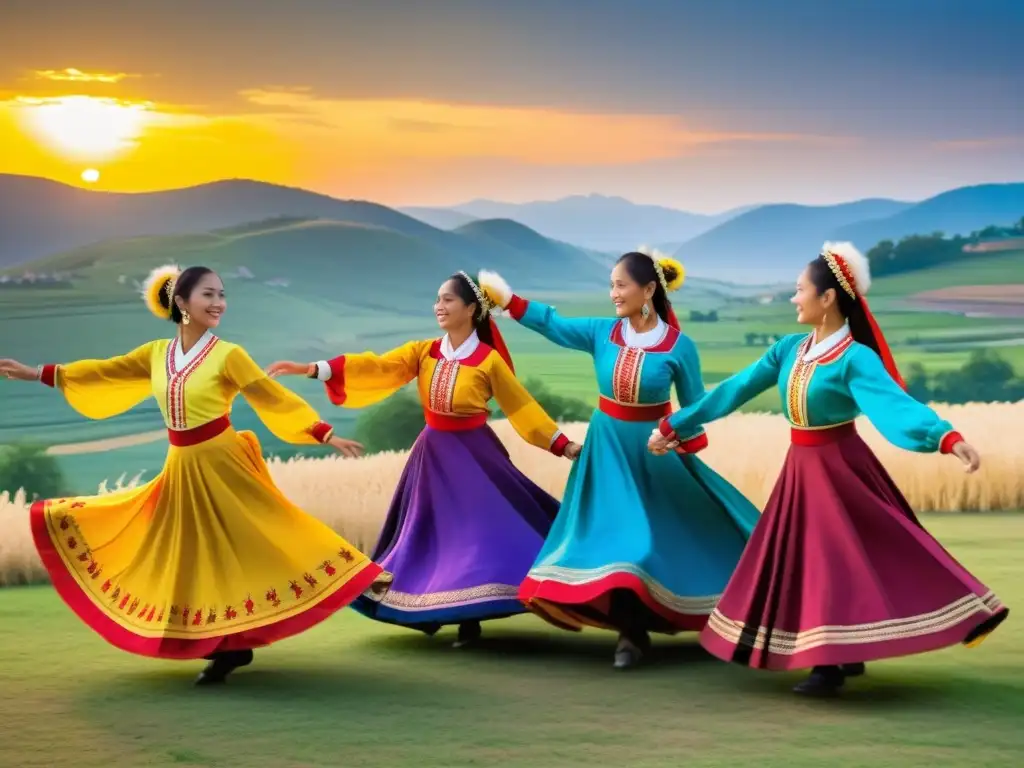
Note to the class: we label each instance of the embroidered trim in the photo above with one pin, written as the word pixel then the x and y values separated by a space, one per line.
pixel 790 643
pixel 442 385
pixel 408 601
pixel 176 380
pixel 697 606
pixel 626 374
pixel 184 617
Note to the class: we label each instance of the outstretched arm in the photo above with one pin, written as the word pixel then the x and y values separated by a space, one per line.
pixel 527 417
pixel 285 414
pixel 97 389
pixel 729 395
pixel 902 420
pixel 689 389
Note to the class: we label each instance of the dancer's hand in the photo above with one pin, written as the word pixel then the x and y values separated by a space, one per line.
pixel 287 368
pixel 968 455
pixel 659 445
pixel 572 451
pixel 12 369
pixel 349 448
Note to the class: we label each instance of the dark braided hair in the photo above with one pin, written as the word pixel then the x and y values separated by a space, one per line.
pixel 183 286
pixel 823 278
pixel 481 324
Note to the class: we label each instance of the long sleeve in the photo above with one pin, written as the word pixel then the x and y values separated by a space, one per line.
pixel 730 394
pixel 902 420
pixel 525 414
pixel 99 389
pixel 356 381
pixel 689 385
pixel 576 333
pixel 285 414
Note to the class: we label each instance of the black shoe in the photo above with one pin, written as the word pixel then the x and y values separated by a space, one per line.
pixel 221 665
pixel 853 670
pixel 823 681
pixel 630 653
pixel 469 633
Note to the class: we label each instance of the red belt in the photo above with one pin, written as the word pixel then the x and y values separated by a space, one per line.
pixel 822 436
pixel 446 422
pixel 185 437
pixel 624 412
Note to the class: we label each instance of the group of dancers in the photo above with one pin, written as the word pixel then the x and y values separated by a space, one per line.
pixel 210 560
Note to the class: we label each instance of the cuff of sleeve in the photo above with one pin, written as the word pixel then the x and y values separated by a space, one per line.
pixel 559 444
pixel 48 375
pixel 322 431
pixel 321 371
pixel 666 429
pixel 335 381
pixel 517 307
pixel 949 441
pixel 694 444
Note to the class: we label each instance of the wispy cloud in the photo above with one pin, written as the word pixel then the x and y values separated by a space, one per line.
pixel 72 75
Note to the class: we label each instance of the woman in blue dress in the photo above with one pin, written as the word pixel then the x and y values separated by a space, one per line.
pixel 641 543
pixel 839 571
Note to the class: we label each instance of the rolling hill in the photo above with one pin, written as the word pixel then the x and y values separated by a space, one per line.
pixel 770 242
pixel 39 217
pixel 442 218
pixel 598 222
pixel 958 211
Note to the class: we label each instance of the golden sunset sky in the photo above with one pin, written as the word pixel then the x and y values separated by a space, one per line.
pixel 697 109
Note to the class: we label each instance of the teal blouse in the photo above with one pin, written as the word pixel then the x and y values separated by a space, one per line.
pixel 836 388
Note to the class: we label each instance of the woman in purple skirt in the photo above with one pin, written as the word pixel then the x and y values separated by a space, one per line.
pixel 464 525
pixel 838 571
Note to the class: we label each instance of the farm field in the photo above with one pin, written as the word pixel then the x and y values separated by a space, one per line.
pixel 353 692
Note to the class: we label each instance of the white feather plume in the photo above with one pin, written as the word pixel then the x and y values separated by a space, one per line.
pixel 654 253
pixel 495 285
pixel 857 263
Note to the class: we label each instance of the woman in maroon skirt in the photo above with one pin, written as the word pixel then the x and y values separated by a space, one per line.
pixel 839 571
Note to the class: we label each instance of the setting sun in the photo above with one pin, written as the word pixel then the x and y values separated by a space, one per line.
pixel 90 175
pixel 85 126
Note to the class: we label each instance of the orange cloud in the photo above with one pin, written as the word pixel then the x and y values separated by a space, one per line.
pixel 999 142
pixel 72 75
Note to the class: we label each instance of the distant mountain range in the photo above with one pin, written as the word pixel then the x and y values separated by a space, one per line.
pixel 593 221
pixel 574 238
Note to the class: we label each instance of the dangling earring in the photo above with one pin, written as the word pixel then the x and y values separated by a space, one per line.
pixel 645 311
pixel 186 318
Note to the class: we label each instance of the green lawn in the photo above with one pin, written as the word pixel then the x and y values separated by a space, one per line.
pixel 354 693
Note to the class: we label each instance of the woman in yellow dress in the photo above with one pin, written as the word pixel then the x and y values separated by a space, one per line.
pixel 207 560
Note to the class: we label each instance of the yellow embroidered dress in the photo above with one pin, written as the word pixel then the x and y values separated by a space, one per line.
pixel 464 524
pixel 208 556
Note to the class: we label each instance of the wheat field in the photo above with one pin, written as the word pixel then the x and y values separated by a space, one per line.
pixel 352 495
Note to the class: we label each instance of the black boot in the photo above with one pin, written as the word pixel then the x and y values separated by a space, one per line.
pixel 221 665
pixel 469 633
pixel 823 681
pixel 854 670
pixel 631 650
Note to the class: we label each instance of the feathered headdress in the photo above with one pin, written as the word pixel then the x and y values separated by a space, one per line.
pixel 664 263
pixel 853 273
pixel 160 283
pixel 490 305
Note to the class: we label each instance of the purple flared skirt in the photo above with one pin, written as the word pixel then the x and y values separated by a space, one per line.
pixel 462 531
pixel 839 570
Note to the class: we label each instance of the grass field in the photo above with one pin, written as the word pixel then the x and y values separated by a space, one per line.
pixel 354 693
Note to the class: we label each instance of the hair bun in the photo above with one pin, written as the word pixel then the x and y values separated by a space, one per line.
pixel 157 290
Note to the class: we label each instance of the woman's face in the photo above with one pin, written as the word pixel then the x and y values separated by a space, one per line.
pixel 811 306
pixel 206 304
pixel 450 310
pixel 628 296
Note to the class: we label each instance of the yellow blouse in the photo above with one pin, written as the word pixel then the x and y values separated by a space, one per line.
pixel 192 388
pixel 447 386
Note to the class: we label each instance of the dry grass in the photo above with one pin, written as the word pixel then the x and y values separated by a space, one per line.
pixel 352 496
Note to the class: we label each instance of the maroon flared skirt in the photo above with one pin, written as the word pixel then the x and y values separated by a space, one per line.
pixel 839 570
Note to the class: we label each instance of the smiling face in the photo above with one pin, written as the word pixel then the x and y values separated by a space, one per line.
pixel 811 307
pixel 627 295
pixel 450 309
pixel 205 304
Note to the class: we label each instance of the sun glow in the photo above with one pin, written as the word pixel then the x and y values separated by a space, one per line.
pixel 90 175
pixel 86 126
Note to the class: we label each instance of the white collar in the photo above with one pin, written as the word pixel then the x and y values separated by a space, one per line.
pixel 466 348
pixel 633 338
pixel 181 359
pixel 827 344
